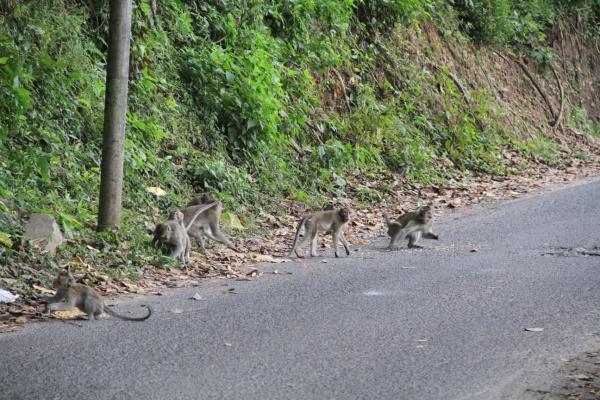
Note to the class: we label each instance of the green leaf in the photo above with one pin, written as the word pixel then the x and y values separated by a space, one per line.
pixel 24 97
pixel 5 240
pixel 42 164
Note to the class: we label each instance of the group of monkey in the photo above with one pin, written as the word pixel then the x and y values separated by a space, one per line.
pixel 201 216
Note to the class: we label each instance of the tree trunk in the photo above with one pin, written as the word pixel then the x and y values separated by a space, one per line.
pixel 115 106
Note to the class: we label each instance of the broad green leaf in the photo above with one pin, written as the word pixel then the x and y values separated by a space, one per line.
pixel 5 240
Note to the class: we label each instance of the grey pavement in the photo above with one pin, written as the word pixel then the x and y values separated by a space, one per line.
pixel 445 322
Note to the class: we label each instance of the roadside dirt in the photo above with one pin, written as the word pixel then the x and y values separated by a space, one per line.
pixel 577 379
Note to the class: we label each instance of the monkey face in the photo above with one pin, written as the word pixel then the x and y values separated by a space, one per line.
pixel 176 215
pixel 166 233
pixel 64 278
pixel 344 214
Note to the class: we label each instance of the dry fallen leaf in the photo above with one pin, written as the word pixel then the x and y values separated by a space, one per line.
pixel 227 344
pixel 74 313
pixel 268 258
pixel 43 289
pixel 196 297
pixel 156 191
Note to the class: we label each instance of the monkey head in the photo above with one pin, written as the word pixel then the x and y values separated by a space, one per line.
pixel 63 279
pixel 344 214
pixel 425 215
pixel 176 215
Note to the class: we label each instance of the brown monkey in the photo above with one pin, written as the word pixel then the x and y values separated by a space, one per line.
pixel 174 231
pixel 207 222
pixel 322 221
pixel 70 294
pixel 411 225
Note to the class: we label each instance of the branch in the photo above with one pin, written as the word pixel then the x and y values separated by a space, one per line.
pixel 556 121
pixel 533 81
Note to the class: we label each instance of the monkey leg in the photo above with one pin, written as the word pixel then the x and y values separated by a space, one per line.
pixel 430 235
pixel 392 244
pixel 193 232
pixel 313 245
pixel 186 253
pixel 412 240
pixel 345 243
pixel 217 236
pixel 177 252
pixel 301 244
pixel 334 239
pixel 60 306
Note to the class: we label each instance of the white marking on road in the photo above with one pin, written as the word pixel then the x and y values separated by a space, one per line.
pixel 373 292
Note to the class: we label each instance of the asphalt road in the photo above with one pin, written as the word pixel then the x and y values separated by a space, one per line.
pixel 440 323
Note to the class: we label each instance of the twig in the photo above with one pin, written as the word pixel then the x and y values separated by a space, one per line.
pixel 556 121
pixel 339 76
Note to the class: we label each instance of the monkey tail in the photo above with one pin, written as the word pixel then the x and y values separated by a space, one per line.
pixel 386 218
pixel 200 210
pixel 126 318
pixel 300 225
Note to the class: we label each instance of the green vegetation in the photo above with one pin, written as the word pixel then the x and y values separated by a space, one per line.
pixel 256 100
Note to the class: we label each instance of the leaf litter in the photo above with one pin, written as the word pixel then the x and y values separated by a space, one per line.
pixel 273 246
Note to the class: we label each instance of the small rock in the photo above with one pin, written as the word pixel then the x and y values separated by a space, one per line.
pixel 7 297
pixel 44 231
pixel 196 297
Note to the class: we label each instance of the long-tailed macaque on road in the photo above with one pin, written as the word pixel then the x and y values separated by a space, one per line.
pixel 411 225
pixel 70 294
pixel 322 221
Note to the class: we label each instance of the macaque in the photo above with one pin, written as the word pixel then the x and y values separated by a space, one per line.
pixel 411 225
pixel 174 231
pixel 70 294
pixel 202 198
pixel 207 222
pixel 322 221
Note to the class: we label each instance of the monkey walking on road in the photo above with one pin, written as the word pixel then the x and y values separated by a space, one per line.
pixel 322 221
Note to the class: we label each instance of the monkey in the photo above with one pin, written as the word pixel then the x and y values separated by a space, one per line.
pixel 324 221
pixel 174 231
pixel 207 222
pixel 202 198
pixel 70 294
pixel 412 225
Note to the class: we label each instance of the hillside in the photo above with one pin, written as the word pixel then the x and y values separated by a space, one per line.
pixel 282 106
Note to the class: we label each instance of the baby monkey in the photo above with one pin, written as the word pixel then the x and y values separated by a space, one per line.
pixel 322 221
pixel 174 232
pixel 411 225
pixel 70 294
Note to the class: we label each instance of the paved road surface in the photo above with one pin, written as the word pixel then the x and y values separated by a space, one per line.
pixel 441 323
